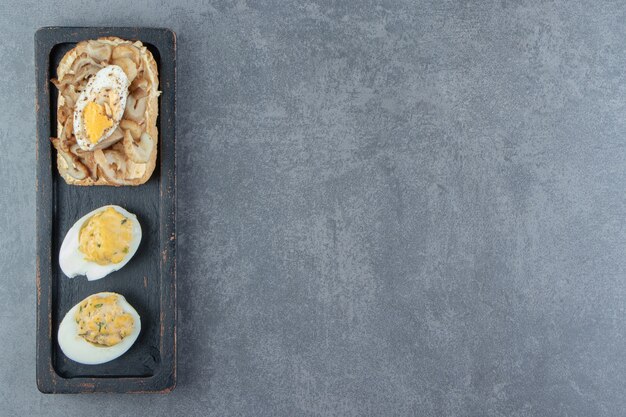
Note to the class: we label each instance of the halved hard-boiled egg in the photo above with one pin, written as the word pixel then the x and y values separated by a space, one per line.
pixel 100 242
pixel 99 329
pixel 100 108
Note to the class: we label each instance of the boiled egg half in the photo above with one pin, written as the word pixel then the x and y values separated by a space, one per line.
pixel 100 242
pixel 99 329
pixel 100 107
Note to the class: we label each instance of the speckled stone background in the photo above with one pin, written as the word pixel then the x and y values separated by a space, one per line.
pixel 385 208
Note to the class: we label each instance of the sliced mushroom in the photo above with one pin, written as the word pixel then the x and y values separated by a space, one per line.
pixel 116 136
pixel 135 108
pixel 64 114
pixel 68 129
pixel 112 165
pixel 72 166
pixel 67 145
pixel 59 144
pixel 85 73
pixel 132 126
pixel 80 153
pixel 138 151
pixel 82 60
pixel 65 80
pixel 86 158
pixel 82 68
pixel 99 51
pixel 140 93
pixel 139 82
pixel 59 84
pixel 70 95
pixel 128 66
pixel 136 171
pixel 126 51
pixel 63 84
pixel 119 146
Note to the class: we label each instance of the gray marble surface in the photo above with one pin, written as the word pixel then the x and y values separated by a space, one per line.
pixel 385 208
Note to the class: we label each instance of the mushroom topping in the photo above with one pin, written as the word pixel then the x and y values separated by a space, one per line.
pixel 116 136
pixel 99 51
pixel 60 85
pixel 86 158
pixel 131 126
pixel 126 51
pixel 75 149
pixel 69 95
pixel 139 93
pixel 135 108
pixel 85 73
pixel 128 66
pixel 83 67
pixel 67 130
pixel 64 114
pixel 112 165
pixel 139 82
pixel 138 151
pixel 121 158
pixel 72 166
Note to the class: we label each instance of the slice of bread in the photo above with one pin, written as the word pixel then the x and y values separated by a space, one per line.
pixel 129 156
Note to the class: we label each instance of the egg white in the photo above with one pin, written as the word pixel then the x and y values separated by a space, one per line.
pixel 79 350
pixel 72 261
pixel 112 77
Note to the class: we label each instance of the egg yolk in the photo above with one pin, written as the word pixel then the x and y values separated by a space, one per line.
pixel 105 237
pixel 102 321
pixel 96 121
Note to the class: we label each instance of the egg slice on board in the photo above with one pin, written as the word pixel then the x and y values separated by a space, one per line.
pixel 99 329
pixel 100 242
pixel 99 109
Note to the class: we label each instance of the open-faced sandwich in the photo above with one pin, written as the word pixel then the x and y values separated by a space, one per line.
pixel 106 114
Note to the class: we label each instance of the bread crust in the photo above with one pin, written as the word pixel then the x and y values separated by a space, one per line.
pixel 135 173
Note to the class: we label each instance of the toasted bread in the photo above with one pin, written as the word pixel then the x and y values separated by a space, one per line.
pixel 130 155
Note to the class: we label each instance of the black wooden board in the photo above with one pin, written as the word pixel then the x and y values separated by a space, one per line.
pixel 148 281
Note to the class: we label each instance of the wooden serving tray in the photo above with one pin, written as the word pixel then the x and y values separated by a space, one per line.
pixel 148 281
